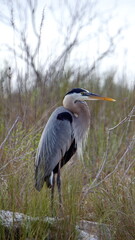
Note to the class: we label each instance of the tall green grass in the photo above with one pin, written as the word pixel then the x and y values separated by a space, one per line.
pixel 110 200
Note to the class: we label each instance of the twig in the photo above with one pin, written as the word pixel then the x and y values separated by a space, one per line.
pixel 124 120
pixel 104 162
pixel 17 159
pixel 95 184
pixel 130 165
pixel 129 148
pixel 9 132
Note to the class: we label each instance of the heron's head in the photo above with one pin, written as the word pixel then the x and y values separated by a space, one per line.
pixel 80 94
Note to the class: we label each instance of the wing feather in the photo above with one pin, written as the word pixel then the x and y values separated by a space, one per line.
pixel 55 141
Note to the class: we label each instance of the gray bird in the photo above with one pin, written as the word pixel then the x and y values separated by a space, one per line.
pixel 64 134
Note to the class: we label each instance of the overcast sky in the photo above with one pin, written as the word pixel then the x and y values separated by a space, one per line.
pixel 114 14
pixel 124 58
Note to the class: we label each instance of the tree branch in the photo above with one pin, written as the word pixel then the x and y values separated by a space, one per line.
pixel 9 132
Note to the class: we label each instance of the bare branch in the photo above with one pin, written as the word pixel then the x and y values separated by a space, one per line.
pixel 33 9
pixel 40 32
pixel 92 186
pixel 9 132
pixel 124 120
pixel 129 148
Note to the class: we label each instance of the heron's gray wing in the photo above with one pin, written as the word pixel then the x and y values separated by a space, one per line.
pixel 55 141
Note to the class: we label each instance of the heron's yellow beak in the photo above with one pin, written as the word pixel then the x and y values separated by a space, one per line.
pixel 93 96
pixel 101 98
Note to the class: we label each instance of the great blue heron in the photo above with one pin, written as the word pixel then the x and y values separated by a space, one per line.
pixel 63 135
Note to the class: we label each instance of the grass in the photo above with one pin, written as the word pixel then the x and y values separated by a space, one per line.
pixel 110 200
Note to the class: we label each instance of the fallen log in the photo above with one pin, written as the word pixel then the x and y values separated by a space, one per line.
pixel 87 230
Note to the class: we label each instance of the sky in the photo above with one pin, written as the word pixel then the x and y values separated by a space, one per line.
pixel 93 39
pixel 124 57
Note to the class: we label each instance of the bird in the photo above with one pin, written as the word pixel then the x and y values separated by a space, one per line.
pixel 65 134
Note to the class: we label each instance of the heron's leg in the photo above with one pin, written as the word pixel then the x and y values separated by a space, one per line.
pixel 59 185
pixel 52 193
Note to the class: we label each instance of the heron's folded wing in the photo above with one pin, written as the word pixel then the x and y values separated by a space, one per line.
pixel 55 141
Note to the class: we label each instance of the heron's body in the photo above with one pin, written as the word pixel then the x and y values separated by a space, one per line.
pixel 64 134
pixel 62 123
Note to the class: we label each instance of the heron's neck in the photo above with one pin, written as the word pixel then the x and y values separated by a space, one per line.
pixel 83 113
pixel 81 121
pixel 77 107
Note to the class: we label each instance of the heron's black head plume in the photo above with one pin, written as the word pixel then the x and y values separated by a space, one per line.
pixel 76 90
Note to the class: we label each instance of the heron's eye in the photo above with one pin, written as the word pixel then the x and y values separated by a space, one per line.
pixel 84 93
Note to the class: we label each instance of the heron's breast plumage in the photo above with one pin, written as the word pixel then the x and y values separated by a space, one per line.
pixel 81 125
